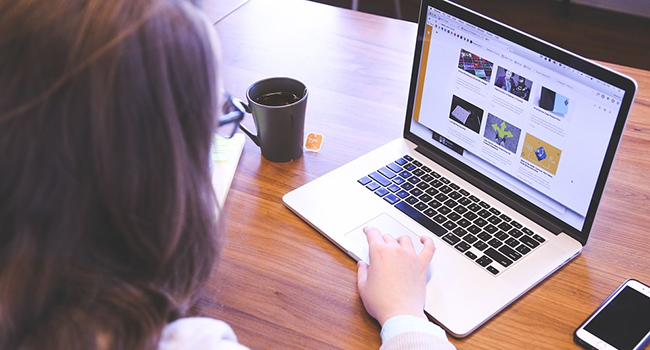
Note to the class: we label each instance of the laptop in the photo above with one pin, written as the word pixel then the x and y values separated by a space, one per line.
pixel 506 148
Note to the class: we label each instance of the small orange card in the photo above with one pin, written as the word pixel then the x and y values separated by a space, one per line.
pixel 314 142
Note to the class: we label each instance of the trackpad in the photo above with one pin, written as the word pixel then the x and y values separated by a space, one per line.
pixel 358 243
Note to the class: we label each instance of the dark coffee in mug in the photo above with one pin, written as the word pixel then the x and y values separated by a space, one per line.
pixel 279 98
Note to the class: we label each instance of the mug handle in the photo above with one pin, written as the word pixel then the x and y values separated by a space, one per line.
pixel 253 137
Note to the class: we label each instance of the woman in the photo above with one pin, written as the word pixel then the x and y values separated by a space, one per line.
pixel 106 204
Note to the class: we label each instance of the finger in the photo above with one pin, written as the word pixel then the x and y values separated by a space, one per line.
pixel 373 235
pixel 362 273
pixel 426 255
pixel 406 242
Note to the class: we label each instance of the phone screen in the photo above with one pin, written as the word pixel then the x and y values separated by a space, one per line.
pixel 624 321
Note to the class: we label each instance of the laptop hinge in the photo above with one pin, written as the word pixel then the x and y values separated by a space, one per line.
pixel 499 194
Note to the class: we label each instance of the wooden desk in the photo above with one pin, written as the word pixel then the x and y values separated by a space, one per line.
pixel 281 285
pixel 217 10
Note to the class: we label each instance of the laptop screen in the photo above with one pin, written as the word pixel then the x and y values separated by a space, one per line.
pixel 535 121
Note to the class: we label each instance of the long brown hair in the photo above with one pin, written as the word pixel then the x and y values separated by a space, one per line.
pixel 107 213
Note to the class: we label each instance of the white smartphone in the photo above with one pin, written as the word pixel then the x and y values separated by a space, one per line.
pixel 622 322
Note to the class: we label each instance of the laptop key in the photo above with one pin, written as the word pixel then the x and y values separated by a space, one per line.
pixel 444 210
pixel 380 178
pixel 413 179
pixel 492 270
pixel 373 186
pixel 453 216
pixel 451 239
pixel 480 245
pixel 381 192
pixel 439 218
pixel 364 180
pixel 421 206
pixel 484 261
pixel 491 229
pixel 495 243
pixel 531 243
pixel 460 209
pixel 498 257
pixel 470 255
pixel 394 167
pixel 432 191
pixel 470 215
pixel 515 233
pixel 484 236
pixel 451 203
pixel 510 253
pixel 462 247
pixel 512 242
pixel 441 197
pixel 470 239
pixel 386 172
pixel 460 232
pixel 523 249
pixel 391 198
pixel 505 226
pixel 450 225
pixel 464 222
pixel 494 220
pixel 421 219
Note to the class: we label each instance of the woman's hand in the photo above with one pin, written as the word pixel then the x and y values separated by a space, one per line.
pixel 394 282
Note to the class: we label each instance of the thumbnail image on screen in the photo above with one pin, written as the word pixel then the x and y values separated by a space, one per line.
pixel 475 65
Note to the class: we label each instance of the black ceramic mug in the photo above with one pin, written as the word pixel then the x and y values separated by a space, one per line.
pixel 278 107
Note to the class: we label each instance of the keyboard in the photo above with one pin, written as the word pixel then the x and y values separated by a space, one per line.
pixel 489 238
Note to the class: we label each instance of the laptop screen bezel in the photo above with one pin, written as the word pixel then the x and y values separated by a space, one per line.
pixel 553 52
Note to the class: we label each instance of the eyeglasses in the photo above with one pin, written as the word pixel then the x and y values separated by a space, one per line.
pixel 233 111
